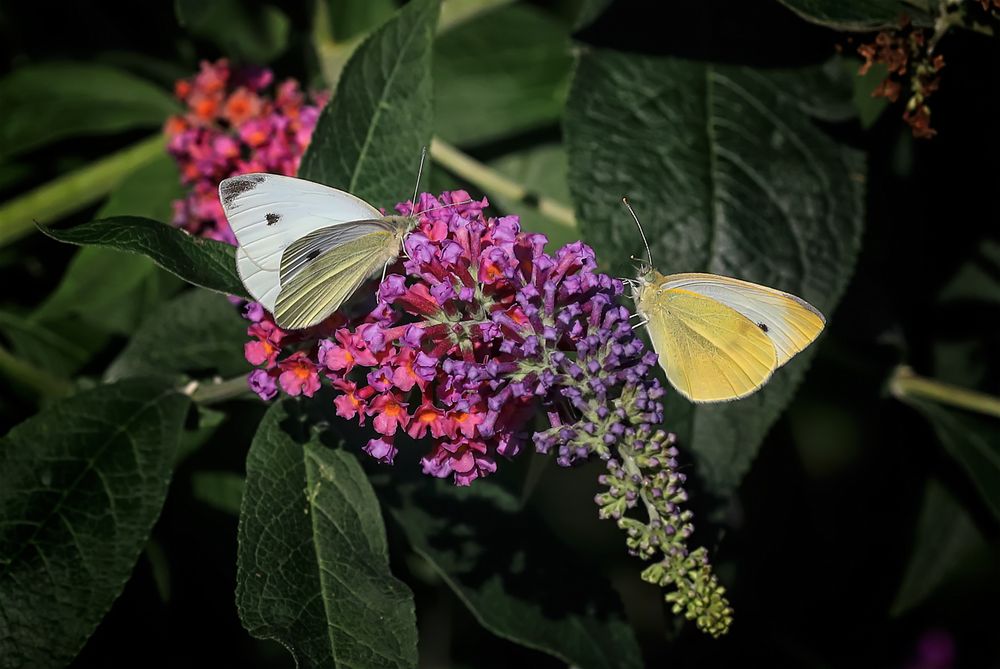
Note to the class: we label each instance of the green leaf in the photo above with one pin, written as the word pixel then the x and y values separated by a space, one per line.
pixel 504 72
pixel 859 15
pixel 81 485
pixel 730 176
pixel 972 440
pixel 247 31
pixel 99 286
pixel 148 191
pixel 197 333
pixel 368 139
pixel 531 591
pixel 945 538
pixel 544 167
pixel 46 102
pixel 51 351
pixel 350 18
pixel 313 564
pixel 202 262
pixel 219 490
pixel 208 422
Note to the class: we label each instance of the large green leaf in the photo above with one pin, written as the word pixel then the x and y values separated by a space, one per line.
pixel 945 537
pixel 313 564
pixel 860 15
pixel 197 332
pixel 511 587
pixel 505 71
pixel 973 440
pixel 729 175
pixel 47 349
pixel 81 485
pixel 253 32
pixel 203 262
pixel 50 101
pixel 368 139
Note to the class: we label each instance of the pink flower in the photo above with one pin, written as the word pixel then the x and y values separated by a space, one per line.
pixel 298 375
pixel 382 450
pixel 389 414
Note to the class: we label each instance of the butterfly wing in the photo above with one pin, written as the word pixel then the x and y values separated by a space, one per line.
pixel 268 212
pixel 790 322
pixel 324 268
pixel 710 351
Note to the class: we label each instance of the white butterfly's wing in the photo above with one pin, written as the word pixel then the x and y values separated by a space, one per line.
pixel 263 285
pixel 789 321
pixel 323 269
pixel 268 212
pixel 309 247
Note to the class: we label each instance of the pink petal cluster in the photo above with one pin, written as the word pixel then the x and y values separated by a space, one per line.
pixel 443 353
pixel 234 123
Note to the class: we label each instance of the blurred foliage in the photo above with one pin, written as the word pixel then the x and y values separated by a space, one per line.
pixel 851 519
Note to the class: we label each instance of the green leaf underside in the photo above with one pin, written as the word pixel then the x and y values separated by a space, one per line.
pixel 368 139
pixel 46 349
pixel 513 590
pixel 313 568
pixel 504 72
pixel 81 485
pixel 973 441
pixel 945 536
pixel 728 175
pixel 202 262
pixel 219 490
pixel 197 332
pixel 858 15
pixel 46 102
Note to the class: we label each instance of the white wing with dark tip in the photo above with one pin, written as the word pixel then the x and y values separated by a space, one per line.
pixel 269 212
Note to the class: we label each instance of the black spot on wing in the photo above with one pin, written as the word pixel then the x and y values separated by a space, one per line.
pixel 273 218
pixel 233 187
pixel 762 326
pixel 312 255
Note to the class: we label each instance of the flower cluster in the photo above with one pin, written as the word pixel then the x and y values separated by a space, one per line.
pixel 233 125
pixel 482 332
pixel 905 51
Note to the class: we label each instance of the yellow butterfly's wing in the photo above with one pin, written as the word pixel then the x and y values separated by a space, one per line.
pixel 318 275
pixel 790 322
pixel 710 352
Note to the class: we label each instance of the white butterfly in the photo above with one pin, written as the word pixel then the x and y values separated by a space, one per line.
pixel 304 248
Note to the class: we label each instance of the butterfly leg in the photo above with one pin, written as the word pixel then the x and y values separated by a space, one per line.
pixel 639 325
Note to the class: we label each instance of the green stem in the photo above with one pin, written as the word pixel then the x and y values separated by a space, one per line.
pixel 213 393
pixel 75 190
pixel 38 382
pixel 904 383
pixel 491 181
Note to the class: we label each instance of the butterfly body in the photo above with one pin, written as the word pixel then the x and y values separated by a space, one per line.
pixel 720 338
pixel 305 248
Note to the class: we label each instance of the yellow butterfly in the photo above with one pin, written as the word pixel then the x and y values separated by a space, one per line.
pixel 720 338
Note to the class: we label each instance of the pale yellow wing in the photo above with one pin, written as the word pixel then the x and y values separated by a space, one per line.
pixel 318 286
pixel 710 352
pixel 789 321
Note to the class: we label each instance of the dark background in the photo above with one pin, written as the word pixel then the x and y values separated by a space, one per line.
pixel 814 547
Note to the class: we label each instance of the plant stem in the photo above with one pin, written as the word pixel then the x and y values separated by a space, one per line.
pixel 74 190
pixel 212 393
pixel 39 382
pixel 904 383
pixel 491 181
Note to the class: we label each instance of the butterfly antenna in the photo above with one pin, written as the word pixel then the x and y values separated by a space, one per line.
pixel 445 206
pixel 420 172
pixel 639 225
